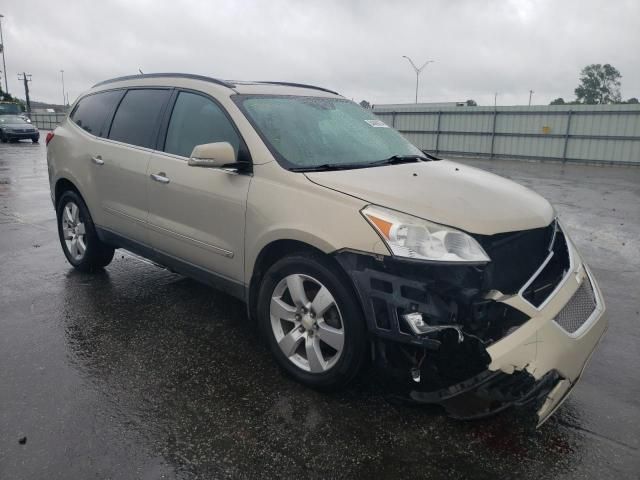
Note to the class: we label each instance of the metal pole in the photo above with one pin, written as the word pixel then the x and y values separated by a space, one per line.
pixel 26 78
pixel 531 92
pixel 4 64
pixel 438 133
pixel 566 136
pixel 493 131
pixel 63 95
pixel 418 71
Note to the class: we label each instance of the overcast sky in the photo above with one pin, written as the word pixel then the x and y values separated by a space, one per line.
pixel 354 47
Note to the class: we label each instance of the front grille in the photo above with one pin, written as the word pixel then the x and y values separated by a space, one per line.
pixel 551 275
pixel 578 309
pixel 515 257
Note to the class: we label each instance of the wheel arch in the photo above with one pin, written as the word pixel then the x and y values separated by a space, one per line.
pixel 62 185
pixel 270 254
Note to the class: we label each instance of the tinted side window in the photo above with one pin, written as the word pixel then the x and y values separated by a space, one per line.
pixel 91 112
pixel 137 117
pixel 196 120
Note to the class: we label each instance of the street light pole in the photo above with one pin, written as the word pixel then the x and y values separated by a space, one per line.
pixel 418 71
pixel 531 92
pixel 63 95
pixel 4 64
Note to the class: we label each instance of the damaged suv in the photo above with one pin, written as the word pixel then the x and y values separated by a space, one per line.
pixel 346 241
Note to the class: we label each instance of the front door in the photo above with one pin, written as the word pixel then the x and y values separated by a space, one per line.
pixel 196 214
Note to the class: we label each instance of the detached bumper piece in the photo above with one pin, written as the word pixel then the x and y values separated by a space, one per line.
pixel 491 392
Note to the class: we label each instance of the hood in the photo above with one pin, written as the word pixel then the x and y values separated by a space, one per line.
pixel 445 192
pixel 25 126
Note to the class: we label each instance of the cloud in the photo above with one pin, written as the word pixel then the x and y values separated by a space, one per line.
pixel 355 47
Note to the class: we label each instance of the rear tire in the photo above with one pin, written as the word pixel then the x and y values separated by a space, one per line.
pixel 78 237
pixel 312 321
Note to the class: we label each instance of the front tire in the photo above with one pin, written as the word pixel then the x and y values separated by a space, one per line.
pixel 313 323
pixel 78 237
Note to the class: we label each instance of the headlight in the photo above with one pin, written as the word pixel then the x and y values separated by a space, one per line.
pixel 413 237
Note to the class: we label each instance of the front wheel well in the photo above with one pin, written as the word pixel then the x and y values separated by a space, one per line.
pixel 269 255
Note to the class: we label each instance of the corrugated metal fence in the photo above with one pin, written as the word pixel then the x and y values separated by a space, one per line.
pixel 582 133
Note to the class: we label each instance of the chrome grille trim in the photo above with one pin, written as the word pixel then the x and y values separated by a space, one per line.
pixel 571 268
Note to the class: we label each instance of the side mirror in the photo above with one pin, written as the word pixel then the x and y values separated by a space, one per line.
pixel 213 155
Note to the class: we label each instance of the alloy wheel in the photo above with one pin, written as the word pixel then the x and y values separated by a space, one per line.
pixel 73 231
pixel 307 323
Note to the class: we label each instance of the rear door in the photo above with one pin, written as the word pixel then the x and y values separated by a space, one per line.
pixel 92 114
pixel 198 214
pixel 121 165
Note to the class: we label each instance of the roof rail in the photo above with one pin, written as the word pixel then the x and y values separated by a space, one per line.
pixel 165 75
pixel 301 85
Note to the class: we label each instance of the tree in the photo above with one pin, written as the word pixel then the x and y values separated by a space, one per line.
pixel 471 103
pixel 365 104
pixel 599 84
pixel 5 97
pixel 558 101
pixel 633 100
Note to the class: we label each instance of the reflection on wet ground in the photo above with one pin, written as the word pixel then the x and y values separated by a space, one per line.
pixel 140 373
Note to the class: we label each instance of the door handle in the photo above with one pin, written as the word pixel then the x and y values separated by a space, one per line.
pixel 160 177
pixel 97 159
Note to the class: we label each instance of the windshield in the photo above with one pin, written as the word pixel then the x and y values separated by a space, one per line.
pixel 308 132
pixel 11 119
pixel 9 108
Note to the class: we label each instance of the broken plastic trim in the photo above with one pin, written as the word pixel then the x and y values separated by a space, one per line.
pixel 491 392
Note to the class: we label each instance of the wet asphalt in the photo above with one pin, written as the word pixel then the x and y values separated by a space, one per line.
pixel 136 372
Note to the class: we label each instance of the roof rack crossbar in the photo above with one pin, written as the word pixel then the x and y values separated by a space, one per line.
pixel 165 75
pixel 301 85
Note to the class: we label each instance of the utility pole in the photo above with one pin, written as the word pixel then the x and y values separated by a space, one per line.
pixel 418 71
pixel 63 95
pixel 4 64
pixel 26 78
pixel 531 92
pixel 495 100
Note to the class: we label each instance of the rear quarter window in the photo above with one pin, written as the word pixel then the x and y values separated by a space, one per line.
pixel 92 111
pixel 137 118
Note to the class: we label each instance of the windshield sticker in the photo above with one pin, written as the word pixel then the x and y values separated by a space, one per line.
pixel 377 123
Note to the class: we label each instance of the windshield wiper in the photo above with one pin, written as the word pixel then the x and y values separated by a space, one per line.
pixel 393 160
pixel 330 166
pixel 397 159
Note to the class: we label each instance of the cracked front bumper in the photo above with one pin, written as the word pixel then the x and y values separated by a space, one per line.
pixel 535 363
pixel 541 345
